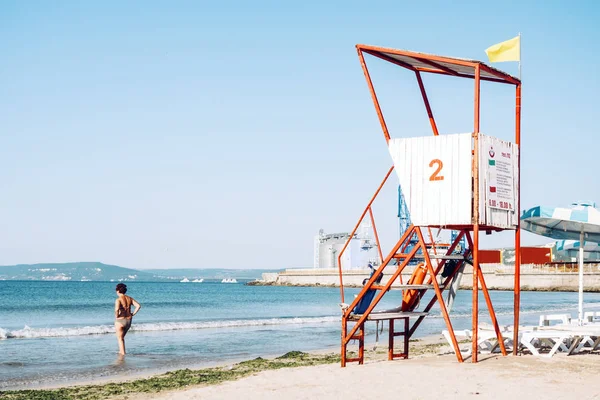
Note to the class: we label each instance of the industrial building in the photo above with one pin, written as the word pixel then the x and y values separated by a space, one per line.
pixel 361 250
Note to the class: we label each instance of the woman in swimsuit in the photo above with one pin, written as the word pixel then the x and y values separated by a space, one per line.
pixel 123 315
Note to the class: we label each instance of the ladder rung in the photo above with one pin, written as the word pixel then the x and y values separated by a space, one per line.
pixel 410 286
pixel 447 257
pixel 404 286
pixel 400 255
pixel 434 256
pixel 353 360
pixel 378 316
pixel 356 337
pixel 399 333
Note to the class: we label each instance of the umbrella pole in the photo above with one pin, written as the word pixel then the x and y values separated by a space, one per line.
pixel 581 278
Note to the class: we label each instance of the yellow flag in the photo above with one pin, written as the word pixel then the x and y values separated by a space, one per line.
pixel 509 50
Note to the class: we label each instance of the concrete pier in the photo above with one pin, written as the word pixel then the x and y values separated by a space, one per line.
pixel 497 277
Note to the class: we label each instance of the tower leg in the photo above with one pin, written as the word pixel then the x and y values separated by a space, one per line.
pixel 344 343
pixel 406 337
pixel 391 341
pixel 361 344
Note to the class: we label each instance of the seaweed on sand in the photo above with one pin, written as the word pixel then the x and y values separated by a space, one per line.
pixel 173 380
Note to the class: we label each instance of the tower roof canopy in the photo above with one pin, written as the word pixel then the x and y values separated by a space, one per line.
pixel 431 63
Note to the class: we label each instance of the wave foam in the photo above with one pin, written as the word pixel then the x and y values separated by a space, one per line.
pixel 28 333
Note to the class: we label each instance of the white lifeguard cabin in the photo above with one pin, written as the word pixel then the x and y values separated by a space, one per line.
pixel 436 176
pixel 466 182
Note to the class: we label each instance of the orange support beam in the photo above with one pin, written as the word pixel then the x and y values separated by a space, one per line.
pixel 367 208
pixel 517 288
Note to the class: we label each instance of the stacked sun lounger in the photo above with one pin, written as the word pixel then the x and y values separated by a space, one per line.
pixel 567 336
pixel 487 341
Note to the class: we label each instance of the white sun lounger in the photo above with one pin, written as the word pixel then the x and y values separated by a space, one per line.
pixel 461 334
pixel 487 342
pixel 563 318
pixel 579 342
pixel 591 316
pixel 569 339
pixel 535 340
pixel 583 335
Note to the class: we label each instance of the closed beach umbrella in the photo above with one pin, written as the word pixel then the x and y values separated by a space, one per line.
pixel 580 222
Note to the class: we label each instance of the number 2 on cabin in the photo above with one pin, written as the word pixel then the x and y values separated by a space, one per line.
pixel 435 176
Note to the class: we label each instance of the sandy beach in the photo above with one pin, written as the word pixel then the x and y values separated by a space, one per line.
pixel 431 372
pixel 427 376
pixel 419 378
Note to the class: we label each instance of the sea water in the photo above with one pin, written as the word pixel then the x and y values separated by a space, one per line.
pixel 52 333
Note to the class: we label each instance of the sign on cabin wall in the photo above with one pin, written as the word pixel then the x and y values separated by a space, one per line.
pixel 435 174
pixel 498 183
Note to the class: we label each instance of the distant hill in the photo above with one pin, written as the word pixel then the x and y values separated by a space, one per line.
pixel 96 271
pixel 76 271
pixel 208 273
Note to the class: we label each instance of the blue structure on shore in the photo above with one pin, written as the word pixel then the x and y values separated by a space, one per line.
pixel 404 216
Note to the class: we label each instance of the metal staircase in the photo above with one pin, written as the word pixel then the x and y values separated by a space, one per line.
pixel 410 249
pixel 353 325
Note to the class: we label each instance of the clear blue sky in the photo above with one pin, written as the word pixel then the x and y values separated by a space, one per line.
pixel 225 134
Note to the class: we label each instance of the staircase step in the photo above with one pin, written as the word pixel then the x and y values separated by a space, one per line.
pixel 410 286
pixel 433 256
pixel 459 257
pixel 374 316
pixel 403 287
pixel 400 255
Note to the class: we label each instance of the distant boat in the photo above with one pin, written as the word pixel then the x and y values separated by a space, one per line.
pixel 184 280
pixel 198 280
pixel 229 280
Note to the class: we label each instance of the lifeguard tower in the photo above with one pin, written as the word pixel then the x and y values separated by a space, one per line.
pixel 466 182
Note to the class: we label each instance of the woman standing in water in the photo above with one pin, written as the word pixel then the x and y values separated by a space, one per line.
pixel 123 314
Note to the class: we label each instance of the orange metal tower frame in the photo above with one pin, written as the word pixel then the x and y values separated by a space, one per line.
pixel 478 71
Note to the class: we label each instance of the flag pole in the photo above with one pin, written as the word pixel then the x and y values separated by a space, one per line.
pixel 519 55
